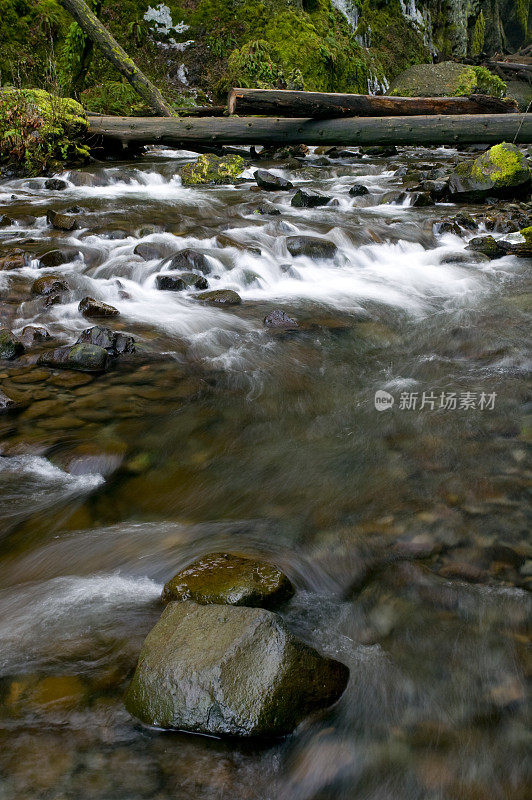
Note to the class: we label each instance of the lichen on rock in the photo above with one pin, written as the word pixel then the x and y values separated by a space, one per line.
pixel 503 170
pixel 209 168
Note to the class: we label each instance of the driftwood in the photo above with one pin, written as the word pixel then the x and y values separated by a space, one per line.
pixel 189 132
pixel 287 103
pixel 97 33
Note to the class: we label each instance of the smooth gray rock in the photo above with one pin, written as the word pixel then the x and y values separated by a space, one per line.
pixel 229 670
pixel 310 246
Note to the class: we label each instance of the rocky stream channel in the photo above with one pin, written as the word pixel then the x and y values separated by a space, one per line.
pixel 401 526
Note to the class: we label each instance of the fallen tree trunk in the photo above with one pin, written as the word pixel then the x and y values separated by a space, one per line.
pixel 512 66
pixel 287 103
pixel 97 33
pixel 188 132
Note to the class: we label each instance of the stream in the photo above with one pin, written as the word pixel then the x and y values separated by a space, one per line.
pixel 221 434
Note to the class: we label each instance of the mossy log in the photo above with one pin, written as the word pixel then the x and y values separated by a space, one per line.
pixel 191 133
pixel 288 103
pixel 97 33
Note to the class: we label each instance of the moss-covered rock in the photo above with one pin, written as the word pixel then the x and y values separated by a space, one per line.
pixel 447 79
pixel 502 170
pixel 527 233
pixel 209 168
pixel 82 357
pixel 226 670
pixel 10 346
pixel 231 580
pixel 40 131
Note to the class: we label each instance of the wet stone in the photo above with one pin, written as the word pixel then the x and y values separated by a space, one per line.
pixel 220 297
pixel 54 258
pixel 270 182
pixel 463 572
pixel 486 245
pixel 85 179
pixel 306 198
pixel 266 209
pixel 34 333
pixel 83 357
pixel 226 670
pixel 170 283
pixel 193 280
pixel 17 259
pixel 90 307
pixel 280 320
pixel 114 342
pixel 7 404
pixel 358 190
pixel 10 346
pixel 152 250
pixel 55 184
pixel 49 285
pixel 61 222
pixel 310 246
pixel 229 579
pixel 189 259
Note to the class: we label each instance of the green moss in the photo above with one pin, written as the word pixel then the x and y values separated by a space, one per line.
pixel 503 164
pixel 479 33
pixel 114 97
pixel 480 80
pixel 40 131
pixel 212 169
pixel 527 233
pixel 522 10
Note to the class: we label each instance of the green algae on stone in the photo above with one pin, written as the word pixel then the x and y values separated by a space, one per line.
pixel 231 580
pixel 40 131
pixel 527 234
pixel 447 79
pixel 503 170
pixel 209 168
pixel 229 671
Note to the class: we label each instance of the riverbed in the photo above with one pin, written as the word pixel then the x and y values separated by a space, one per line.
pixel 402 526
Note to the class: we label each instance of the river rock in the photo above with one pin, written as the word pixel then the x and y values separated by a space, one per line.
pixel 279 320
pixel 270 182
pixel 5 222
pixel 266 209
pixel 227 670
pixel 90 307
pixel 227 241
pixel 34 333
pixel 54 258
pixel 49 284
pixel 7 404
pixel 358 190
pixel 195 281
pixel 379 150
pixel 502 171
pixel 230 580
pixel 170 283
pixel 16 259
pixel 82 357
pixel 85 179
pixel 444 80
pixel 220 297
pixel 310 246
pixel 61 222
pixel 189 259
pixel 55 184
pixel 114 342
pixel 10 346
pixel 209 168
pixel 487 245
pixel 307 198
pixel 152 250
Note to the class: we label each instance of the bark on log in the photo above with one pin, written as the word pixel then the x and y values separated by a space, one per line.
pixel 512 66
pixel 97 33
pixel 288 103
pixel 432 130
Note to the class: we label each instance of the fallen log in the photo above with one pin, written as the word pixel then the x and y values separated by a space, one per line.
pixel 288 103
pixel 100 36
pixel 188 132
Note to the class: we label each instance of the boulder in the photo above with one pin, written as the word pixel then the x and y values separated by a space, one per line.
pixel 266 209
pixel 227 241
pixel 527 234
pixel 306 198
pixel 55 184
pixel 279 320
pixel 34 333
pixel 310 246
pixel 16 259
pixel 82 357
pixel 5 221
pixel 90 307
pixel 231 580
pixel 220 297
pixel 486 245
pixel 85 179
pixel 227 670
pixel 194 281
pixel 10 346
pixel 170 283
pixel 379 150
pixel 54 258
pixel 152 250
pixel 49 284
pixel 446 79
pixel 114 342
pixel 502 171
pixel 358 190
pixel 7 404
pixel 189 259
pixel 61 222
pixel 209 168
pixel 270 182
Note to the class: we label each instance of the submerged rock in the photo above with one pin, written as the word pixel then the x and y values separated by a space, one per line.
pixel 220 297
pixel 266 209
pixel 82 357
pixel 90 307
pixel 195 281
pixel 34 333
pixel 10 346
pixel 306 198
pixel 114 342
pixel 152 250
pixel 189 259
pixel 7 404
pixel 270 182
pixel 231 580
pixel 502 171
pixel 226 670
pixel 280 320
pixel 49 284
pixel 209 168
pixel 61 222
pixel 227 241
pixel 310 246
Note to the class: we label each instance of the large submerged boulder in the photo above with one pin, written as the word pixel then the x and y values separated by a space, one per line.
pixel 233 580
pixel 228 670
pixel 502 170
pixel 446 79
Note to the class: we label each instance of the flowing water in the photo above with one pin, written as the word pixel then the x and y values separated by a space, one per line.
pixel 220 434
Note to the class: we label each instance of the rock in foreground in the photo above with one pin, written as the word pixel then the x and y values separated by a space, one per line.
pixel 226 670
pixel 229 579
pixel 502 171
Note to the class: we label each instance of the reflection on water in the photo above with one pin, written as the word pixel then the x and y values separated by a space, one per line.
pixel 404 532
